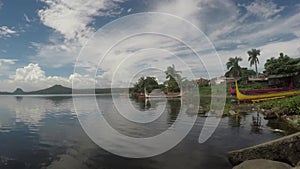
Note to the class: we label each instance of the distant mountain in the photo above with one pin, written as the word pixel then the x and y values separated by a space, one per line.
pixel 56 89
pixel 18 91
pixel 59 89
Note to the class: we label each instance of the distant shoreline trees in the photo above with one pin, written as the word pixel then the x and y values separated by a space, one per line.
pixel 172 84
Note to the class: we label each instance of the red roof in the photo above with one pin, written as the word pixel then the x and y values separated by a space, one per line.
pixel 201 80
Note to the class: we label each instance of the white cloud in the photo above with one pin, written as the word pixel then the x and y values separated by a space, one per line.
pixel 32 72
pixel 6 32
pixel 264 9
pixel 231 31
pixel 71 20
pixel 7 61
pixel 32 77
pixel 220 21
pixel 26 18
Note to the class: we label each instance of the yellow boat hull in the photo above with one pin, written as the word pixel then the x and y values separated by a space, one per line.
pixel 264 96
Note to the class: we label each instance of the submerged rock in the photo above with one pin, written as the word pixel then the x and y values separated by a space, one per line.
pixel 262 164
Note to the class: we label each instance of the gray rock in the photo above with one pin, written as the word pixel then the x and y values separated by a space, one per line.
pixel 262 164
pixel 285 149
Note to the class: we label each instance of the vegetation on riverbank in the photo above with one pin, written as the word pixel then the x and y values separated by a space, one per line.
pixel 284 67
pixel 284 106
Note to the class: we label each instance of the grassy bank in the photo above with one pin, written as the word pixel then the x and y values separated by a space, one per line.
pixel 207 90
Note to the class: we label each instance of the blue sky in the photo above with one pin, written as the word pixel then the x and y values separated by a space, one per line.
pixel 41 39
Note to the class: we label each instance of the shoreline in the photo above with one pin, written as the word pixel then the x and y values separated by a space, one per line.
pixel 268 153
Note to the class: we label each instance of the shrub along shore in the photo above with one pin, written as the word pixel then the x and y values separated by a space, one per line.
pixel 285 108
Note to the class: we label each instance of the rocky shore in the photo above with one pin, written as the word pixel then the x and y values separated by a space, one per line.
pixel 280 153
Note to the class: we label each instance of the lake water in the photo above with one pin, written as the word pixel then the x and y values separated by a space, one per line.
pixel 44 132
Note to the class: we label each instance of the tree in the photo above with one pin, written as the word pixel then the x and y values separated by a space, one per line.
pixel 253 58
pixel 174 79
pixel 148 83
pixel 282 65
pixel 245 73
pixel 234 67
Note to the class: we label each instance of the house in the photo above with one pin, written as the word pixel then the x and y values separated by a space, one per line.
pixel 284 79
pixel 202 80
pixel 218 80
pixel 281 80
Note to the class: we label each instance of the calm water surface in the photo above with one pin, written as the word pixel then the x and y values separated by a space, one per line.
pixel 44 132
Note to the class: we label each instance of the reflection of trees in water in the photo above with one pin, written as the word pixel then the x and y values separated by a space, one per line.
pixel 173 108
pixel 256 126
pixel 236 120
pixel 145 104
pixel 205 103
pixel 19 98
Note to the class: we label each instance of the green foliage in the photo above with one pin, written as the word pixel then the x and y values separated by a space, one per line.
pixel 205 90
pixel 148 83
pixel 202 84
pixel 253 58
pixel 172 85
pixel 234 67
pixel 253 86
pixel 286 106
pixel 282 65
pixel 173 79
pixel 246 73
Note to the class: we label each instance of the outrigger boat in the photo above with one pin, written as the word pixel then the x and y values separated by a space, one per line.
pixel 258 91
pixel 264 96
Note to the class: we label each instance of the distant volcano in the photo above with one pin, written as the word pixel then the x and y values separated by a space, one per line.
pixel 18 91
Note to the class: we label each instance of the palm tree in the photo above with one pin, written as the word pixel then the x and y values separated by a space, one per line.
pixel 173 77
pixel 234 67
pixel 172 73
pixel 253 58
